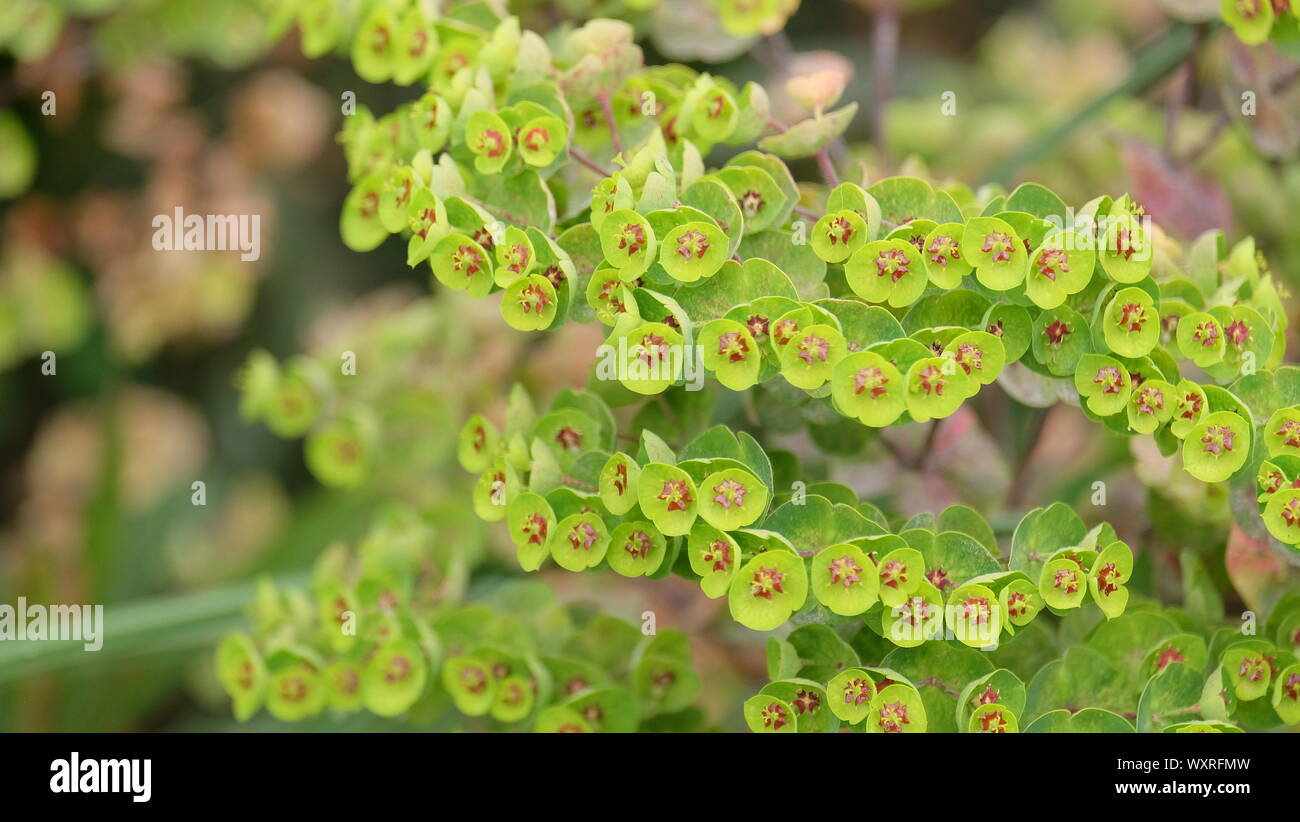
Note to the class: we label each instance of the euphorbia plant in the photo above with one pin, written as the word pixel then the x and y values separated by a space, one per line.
pixel 572 182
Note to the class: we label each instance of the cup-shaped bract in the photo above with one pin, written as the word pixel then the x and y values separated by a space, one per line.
pixel 765 713
pixel 359 223
pixel 415 47
pixel 849 695
pixel 668 496
pixel 1282 515
pixel 529 303
pixel 561 719
pixel 887 271
pixel 808 359
pixel 617 483
pixel 868 386
pixel 1063 583
pixel 471 684
pixel 980 355
pixel 1058 339
pixel 1020 601
pixel 514 699
pixel 343 679
pixel 1251 20
pixel 1061 265
pixel 340 453
pixel 917 619
pixel 714 114
pixel 628 242
pixel 1217 447
pixel 337 607
pixel 541 139
pixel 993 719
pixel 515 256
pixel 897 708
pixel 651 357
pixel 1126 250
pixel 375 46
pixel 495 488
pixel 1131 323
pixel 844 579
pixel 1247 669
pixel 1151 405
pixel 944 263
pixel 900 572
pixel 579 541
pixel 636 549
pixel 1110 570
pixel 490 139
pixel 1190 408
pixel 1104 383
pixel 296 692
pixel 531 522
pixel 459 262
pixel 1286 694
pixel 1282 432
pixel 936 387
pixel 996 251
pixel 730 352
pixel 715 556
pixel 693 251
pixel 732 498
pixel 393 678
pixel 395 200
pixel 1200 338
pixel 974 615
pixel 768 589
pixel 242 674
pixel 426 217
pixel 835 236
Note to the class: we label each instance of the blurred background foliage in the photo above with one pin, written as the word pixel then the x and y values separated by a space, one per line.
pixel 195 103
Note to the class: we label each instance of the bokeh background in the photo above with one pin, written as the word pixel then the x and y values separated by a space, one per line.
pixel 183 103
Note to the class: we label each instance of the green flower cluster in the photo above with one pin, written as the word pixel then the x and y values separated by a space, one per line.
pixel 381 629
pixel 1149 670
pixel 898 303
pixel 710 513
pixel 1256 21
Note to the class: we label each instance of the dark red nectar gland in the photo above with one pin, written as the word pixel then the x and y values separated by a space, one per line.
pixel 569 439
pixel 1218 439
pixel 1207 334
pixel 1132 316
pixel 467 259
pixel 893 573
pixel 893 716
pixel 1053 261
pixel 1290 433
pixel 582 535
pixel 774 716
pixel 892 263
pixel 1108 578
pixel 1000 244
pixel 632 238
pixel 767 581
pixel 732 345
pixel 871 379
pixel 1110 379
pixel 857 691
pixel 813 349
pixel 844 571
pixel 1168 655
pixel 692 244
pixel 676 494
pixel 931 381
pixel 718 554
pixel 729 494
pixel 942 249
pixel 535 527
pixel 1056 332
pixel 492 143
pixel 840 231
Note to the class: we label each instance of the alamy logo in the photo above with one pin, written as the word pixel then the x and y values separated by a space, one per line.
pixel 83 623
pixel 216 232
pixel 651 358
pixel 77 775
